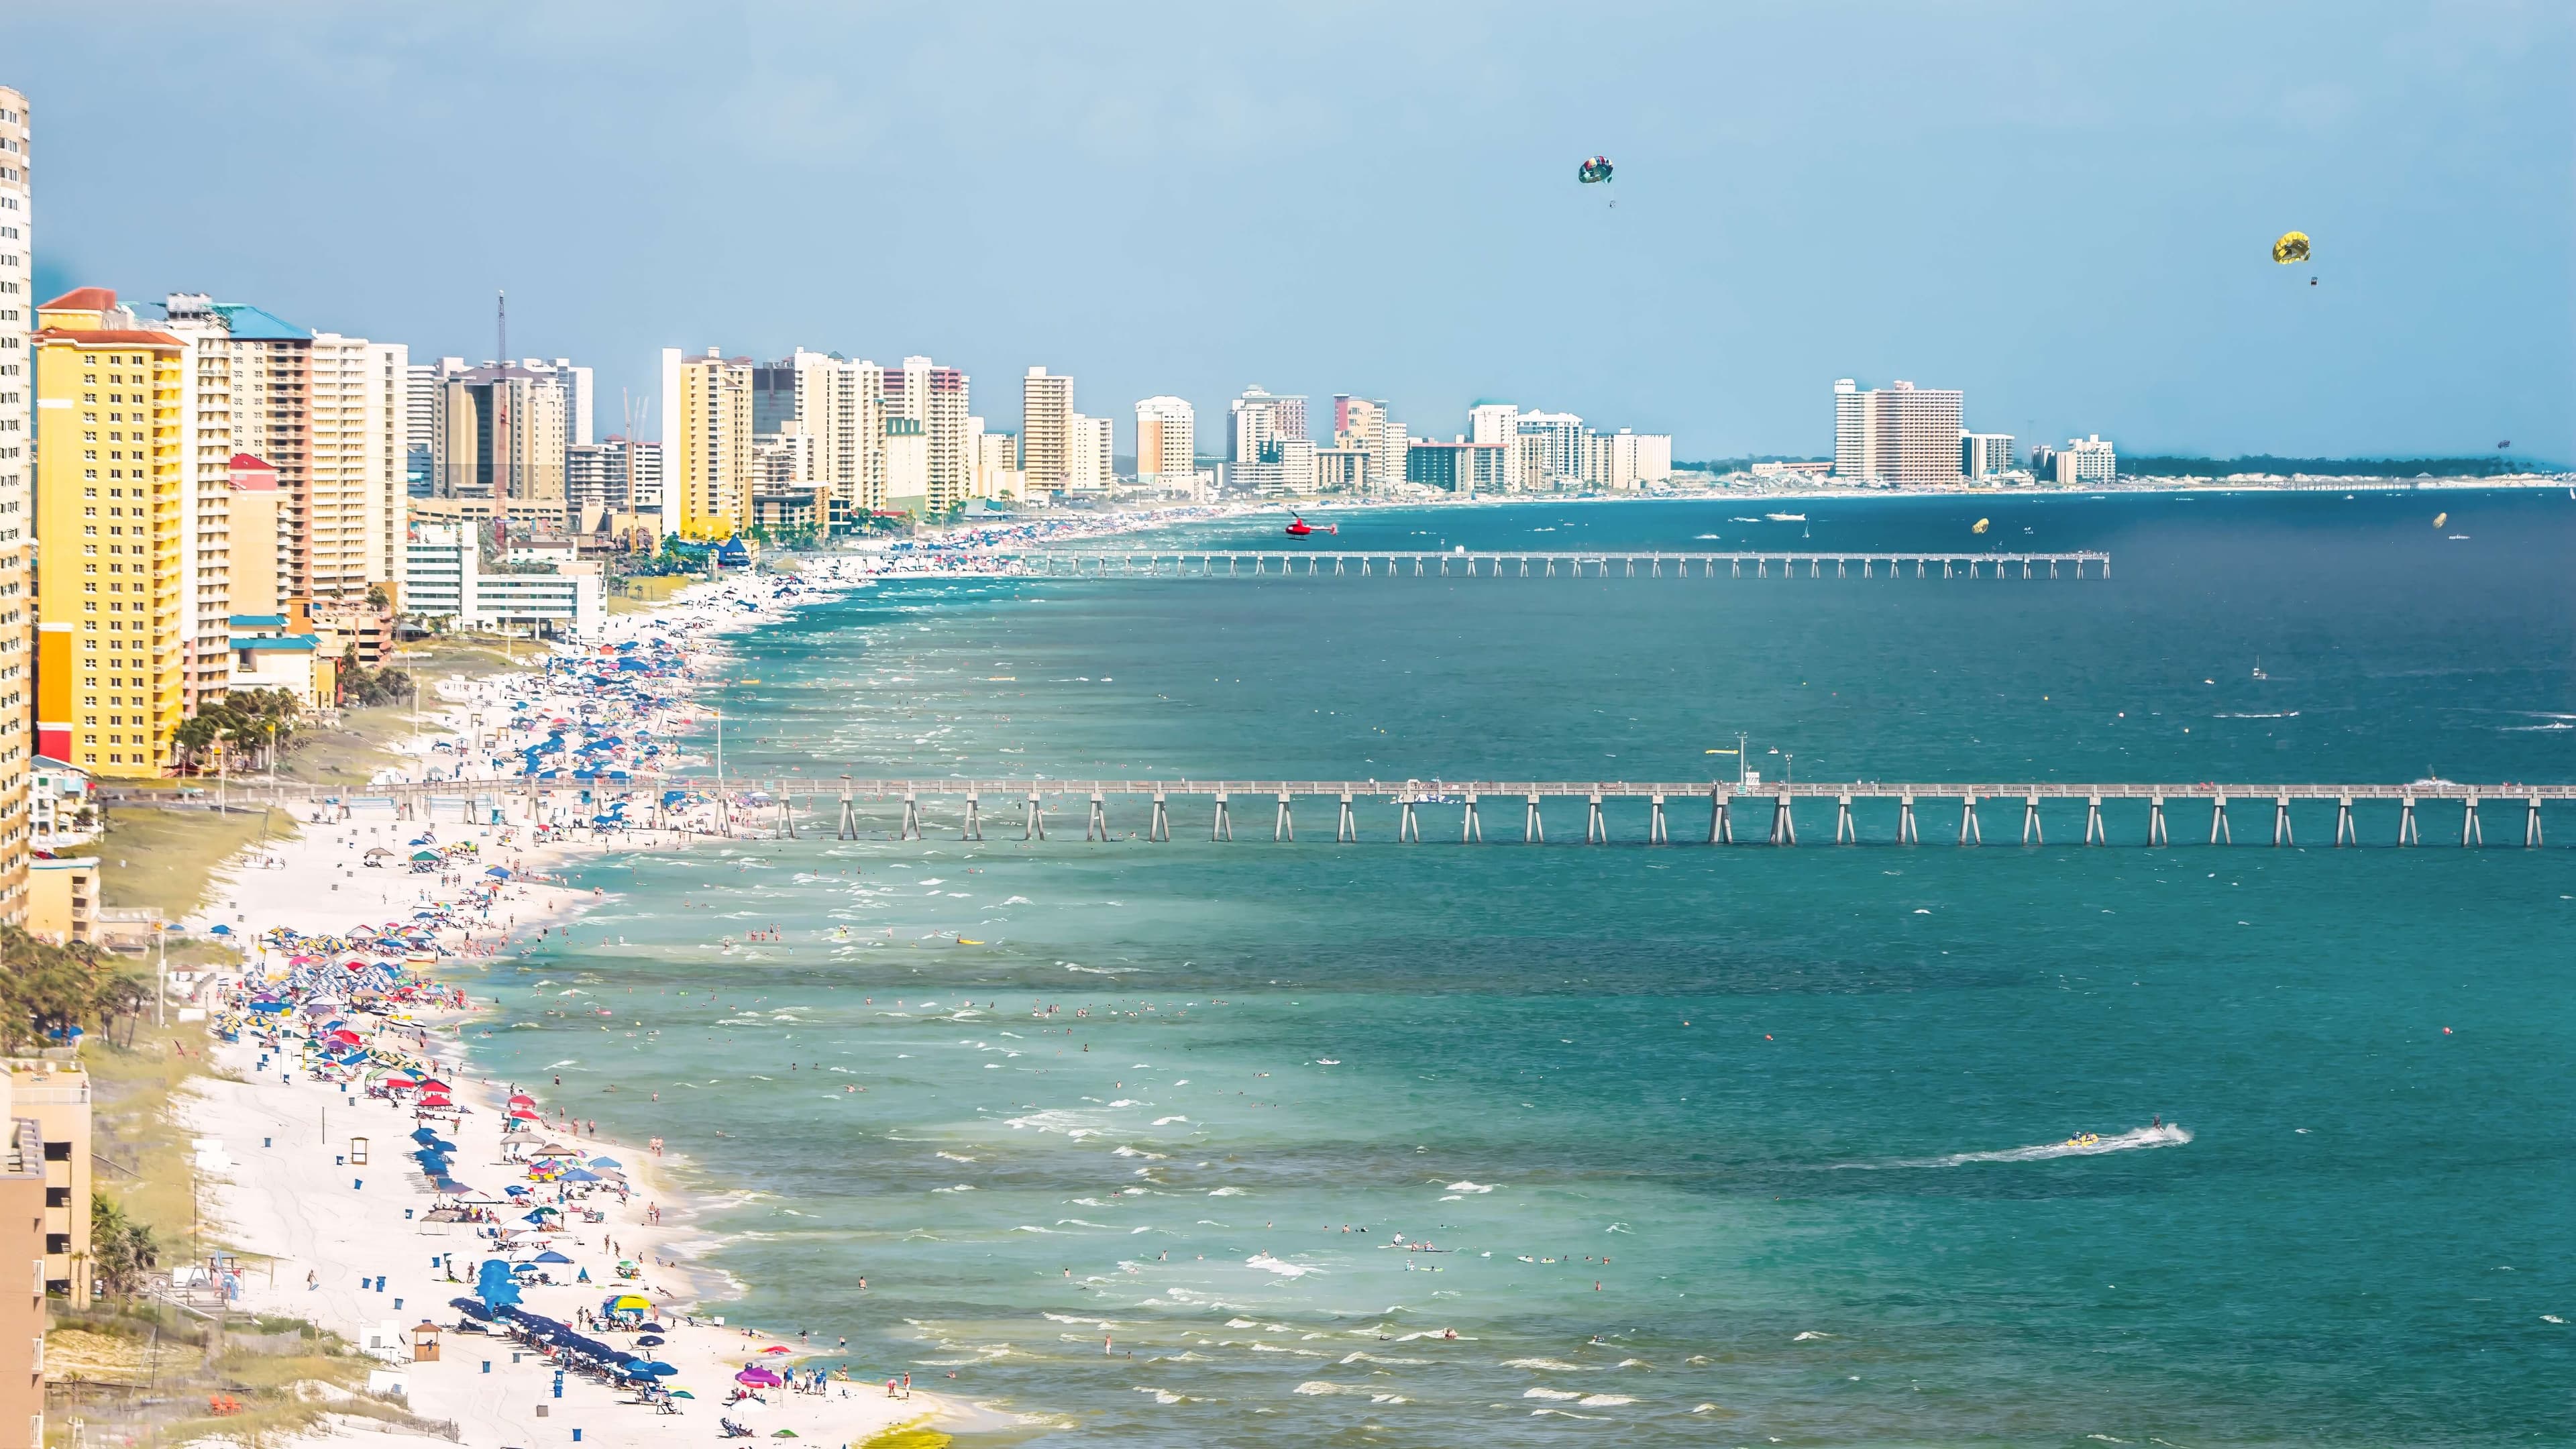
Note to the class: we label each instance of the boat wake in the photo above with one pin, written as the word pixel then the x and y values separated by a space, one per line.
pixel 2129 1141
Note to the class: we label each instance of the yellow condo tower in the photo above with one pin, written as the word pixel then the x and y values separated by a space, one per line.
pixel 109 583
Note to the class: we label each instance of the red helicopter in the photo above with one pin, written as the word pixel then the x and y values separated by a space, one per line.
pixel 1299 527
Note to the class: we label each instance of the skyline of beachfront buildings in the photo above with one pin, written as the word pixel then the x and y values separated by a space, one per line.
pixel 237 501
pixel 1902 436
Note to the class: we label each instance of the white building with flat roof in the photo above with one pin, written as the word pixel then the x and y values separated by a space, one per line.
pixel 444 580
pixel 1985 455
pixel 2086 462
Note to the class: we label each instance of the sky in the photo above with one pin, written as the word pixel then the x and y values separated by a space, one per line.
pixel 2063 208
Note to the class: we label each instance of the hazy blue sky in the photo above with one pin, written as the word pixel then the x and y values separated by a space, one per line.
pixel 2063 208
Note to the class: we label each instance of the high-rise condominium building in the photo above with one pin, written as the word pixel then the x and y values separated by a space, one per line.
pixel 615 475
pixel 1167 440
pixel 503 433
pixel 706 444
pixel 997 465
pixel 112 593
pixel 1900 434
pixel 1089 463
pixel 17 505
pixel 1551 447
pixel 1364 424
pixel 936 398
pixel 839 406
pixel 1255 421
pixel 1984 455
pixel 1046 427
pixel 2087 462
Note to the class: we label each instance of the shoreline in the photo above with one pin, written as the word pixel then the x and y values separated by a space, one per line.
pixel 263 1169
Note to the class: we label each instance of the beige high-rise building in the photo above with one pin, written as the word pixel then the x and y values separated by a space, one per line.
pixel 17 505
pixel 840 406
pixel 1897 434
pixel 1089 463
pixel 1166 439
pixel 503 433
pixel 355 506
pixel 707 458
pixel 1046 426
pixel 936 397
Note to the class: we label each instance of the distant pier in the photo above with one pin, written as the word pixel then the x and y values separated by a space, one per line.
pixel 1597 812
pixel 1327 561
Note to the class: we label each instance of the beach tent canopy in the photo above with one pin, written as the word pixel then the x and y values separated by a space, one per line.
pixel 425 857
pixel 550 1256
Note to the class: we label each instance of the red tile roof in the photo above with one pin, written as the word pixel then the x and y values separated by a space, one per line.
pixel 83 299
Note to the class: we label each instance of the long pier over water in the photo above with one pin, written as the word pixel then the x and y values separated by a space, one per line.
pixel 1489 563
pixel 1876 812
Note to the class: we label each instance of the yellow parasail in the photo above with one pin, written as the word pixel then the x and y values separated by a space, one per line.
pixel 2440 518
pixel 2292 247
pixel 1980 526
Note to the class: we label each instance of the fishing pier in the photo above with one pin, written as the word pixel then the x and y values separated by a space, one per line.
pixel 1323 562
pixel 1418 811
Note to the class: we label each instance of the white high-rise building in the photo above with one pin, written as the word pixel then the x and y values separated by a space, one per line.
pixel 2087 462
pixel 358 391
pixel 1551 447
pixel 1500 423
pixel 935 397
pixel 1896 435
pixel 17 506
pixel 1088 465
pixel 1046 425
pixel 1258 419
pixel 1985 455
pixel 997 465
pixel 840 405
pixel 575 382
pixel 1166 441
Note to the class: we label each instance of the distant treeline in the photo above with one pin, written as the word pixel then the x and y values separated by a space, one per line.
pixel 2484 465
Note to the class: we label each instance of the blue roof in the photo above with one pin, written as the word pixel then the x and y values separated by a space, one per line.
pixel 259 324
pixel 259 621
pixel 305 642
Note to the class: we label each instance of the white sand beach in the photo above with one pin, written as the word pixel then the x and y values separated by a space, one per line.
pixel 353 1246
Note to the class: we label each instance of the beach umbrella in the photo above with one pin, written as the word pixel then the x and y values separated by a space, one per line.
pixel 682 1394
pixel 522 1099
pixel 650 1340
pixel 500 871
pixel 758 1377
pixel 655 1367
pixel 223 930
pixel 627 1303
pixel 775 1348
pixel 538 1216
pixel 606 1162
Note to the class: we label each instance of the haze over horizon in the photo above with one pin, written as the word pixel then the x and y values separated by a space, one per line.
pixel 2066 215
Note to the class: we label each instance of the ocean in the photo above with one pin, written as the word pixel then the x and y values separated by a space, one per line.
pixel 1193 1143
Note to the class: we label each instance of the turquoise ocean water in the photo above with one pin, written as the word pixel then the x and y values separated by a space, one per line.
pixel 1723 1146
